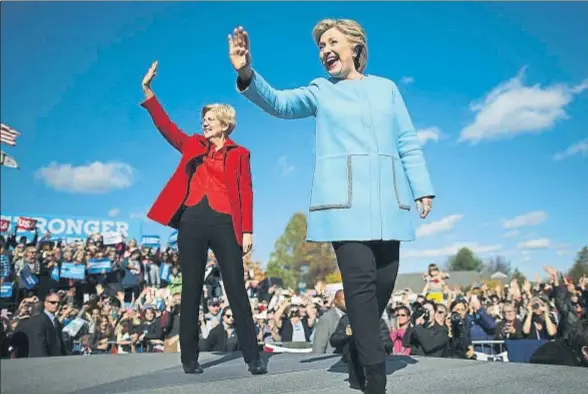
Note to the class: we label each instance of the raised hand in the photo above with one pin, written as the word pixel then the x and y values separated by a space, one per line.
pixel 148 78
pixel 240 52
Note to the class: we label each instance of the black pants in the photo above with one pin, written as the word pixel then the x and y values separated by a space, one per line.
pixel 369 271
pixel 202 228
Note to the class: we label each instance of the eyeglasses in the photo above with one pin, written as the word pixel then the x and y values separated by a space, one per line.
pixel 441 312
pixel 229 316
pixel 52 302
pixel 401 315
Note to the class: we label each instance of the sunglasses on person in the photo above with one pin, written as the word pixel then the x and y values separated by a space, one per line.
pixel 52 302
pixel 228 316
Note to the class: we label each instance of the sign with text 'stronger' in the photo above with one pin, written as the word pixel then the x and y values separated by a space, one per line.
pixel 77 227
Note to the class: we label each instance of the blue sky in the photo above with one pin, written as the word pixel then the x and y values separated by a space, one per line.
pixel 498 92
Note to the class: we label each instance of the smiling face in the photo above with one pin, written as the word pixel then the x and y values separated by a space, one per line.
pixel 342 47
pixel 218 121
pixel 337 54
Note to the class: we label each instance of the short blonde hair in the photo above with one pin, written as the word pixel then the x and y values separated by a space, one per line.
pixel 352 31
pixel 224 113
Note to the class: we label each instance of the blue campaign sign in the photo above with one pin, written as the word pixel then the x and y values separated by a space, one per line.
pixel 151 241
pixel 172 241
pixel 77 227
pixel 98 266
pixel 73 271
pixel 55 273
pixel 5 267
pixel 28 278
pixel 165 271
pixel 6 290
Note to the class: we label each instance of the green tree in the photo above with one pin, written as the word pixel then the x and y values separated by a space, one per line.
pixel 580 267
pixel 519 276
pixel 498 264
pixel 291 252
pixel 464 260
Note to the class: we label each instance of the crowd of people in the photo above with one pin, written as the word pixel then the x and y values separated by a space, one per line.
pixel 133 306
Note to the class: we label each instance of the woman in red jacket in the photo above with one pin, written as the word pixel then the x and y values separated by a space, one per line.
pixel 209 199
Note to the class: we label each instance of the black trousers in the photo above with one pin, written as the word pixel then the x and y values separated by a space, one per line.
pixel 369 271
pixel 202 228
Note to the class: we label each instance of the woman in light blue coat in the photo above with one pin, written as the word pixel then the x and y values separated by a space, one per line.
pixel 369 167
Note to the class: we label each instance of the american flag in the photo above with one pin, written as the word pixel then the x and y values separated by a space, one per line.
pixel 8 135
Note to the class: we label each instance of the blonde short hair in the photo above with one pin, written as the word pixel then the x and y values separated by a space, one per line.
pixel 224 113
pixel 352 31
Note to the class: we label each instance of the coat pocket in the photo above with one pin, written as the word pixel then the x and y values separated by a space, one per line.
pixel 401 189
pixel 332 184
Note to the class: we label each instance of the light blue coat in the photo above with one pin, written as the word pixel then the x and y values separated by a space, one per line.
pixel 369 165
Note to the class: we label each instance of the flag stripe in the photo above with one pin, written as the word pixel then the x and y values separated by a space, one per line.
pixel 8 140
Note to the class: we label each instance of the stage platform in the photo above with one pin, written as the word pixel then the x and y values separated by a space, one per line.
pixel 288 373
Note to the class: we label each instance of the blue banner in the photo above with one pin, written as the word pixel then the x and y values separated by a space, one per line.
pixel 6 290
pixel 29 280
pixel 99 266
pixel 55 273
pixel 73 271
pixel 77 227
pixel 151 241
pixel 5 268
pixel 165 271
pixel 172 241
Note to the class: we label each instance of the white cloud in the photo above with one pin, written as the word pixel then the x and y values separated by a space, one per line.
pixel 406 80
pixel 579 148
pixel 440 226
pixel 93 178
pixel 285 166
pixel 429 134
pixel 449 250
pixel 511 234
pixel 526 220
pixel 539 243
pixel 513 108
pixel 114 212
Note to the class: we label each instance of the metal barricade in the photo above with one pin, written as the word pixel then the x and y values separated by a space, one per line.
pixel 491 351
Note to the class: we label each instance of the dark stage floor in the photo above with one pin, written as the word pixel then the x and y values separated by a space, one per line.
pixel 289 373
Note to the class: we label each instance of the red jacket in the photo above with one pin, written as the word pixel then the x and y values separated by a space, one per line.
pixel 168 207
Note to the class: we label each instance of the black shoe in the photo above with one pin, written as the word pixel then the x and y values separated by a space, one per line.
pixel 192 367
pixel 257 367
pixel 376 379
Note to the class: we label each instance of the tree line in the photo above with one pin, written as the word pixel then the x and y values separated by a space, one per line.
pixel 300 263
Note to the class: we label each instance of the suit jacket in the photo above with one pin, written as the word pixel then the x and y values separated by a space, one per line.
pixel 44 339
pixel 325 327
pixel 168 206
pixel 369 164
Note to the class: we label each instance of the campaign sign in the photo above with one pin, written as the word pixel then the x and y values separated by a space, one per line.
pixel 6 290
pixel 172 241
pixel 73 271
pixel 4 225
pixel 5 267
pixel 112 238
pixel 29 280
pixel 151 241
pixel 76 227
pixel 98 266
pixel 164 272
pixel 55 273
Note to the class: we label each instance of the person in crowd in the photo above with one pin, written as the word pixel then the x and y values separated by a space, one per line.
pixel 172 322
pixel 510 327
pixel 216 212
pixel 103 335
pixel 327 324
pixel 539 323
pixel 223 337
pixel 292 323
pixel 401 326
pixel 426 337
pixel 345 185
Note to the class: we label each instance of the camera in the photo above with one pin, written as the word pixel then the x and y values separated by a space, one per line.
pixel 420 311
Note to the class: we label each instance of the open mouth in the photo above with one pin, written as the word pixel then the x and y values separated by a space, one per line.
pixel 331 61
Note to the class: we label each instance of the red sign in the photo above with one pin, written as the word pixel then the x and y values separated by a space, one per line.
pixel 27 224
pixel 4 225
